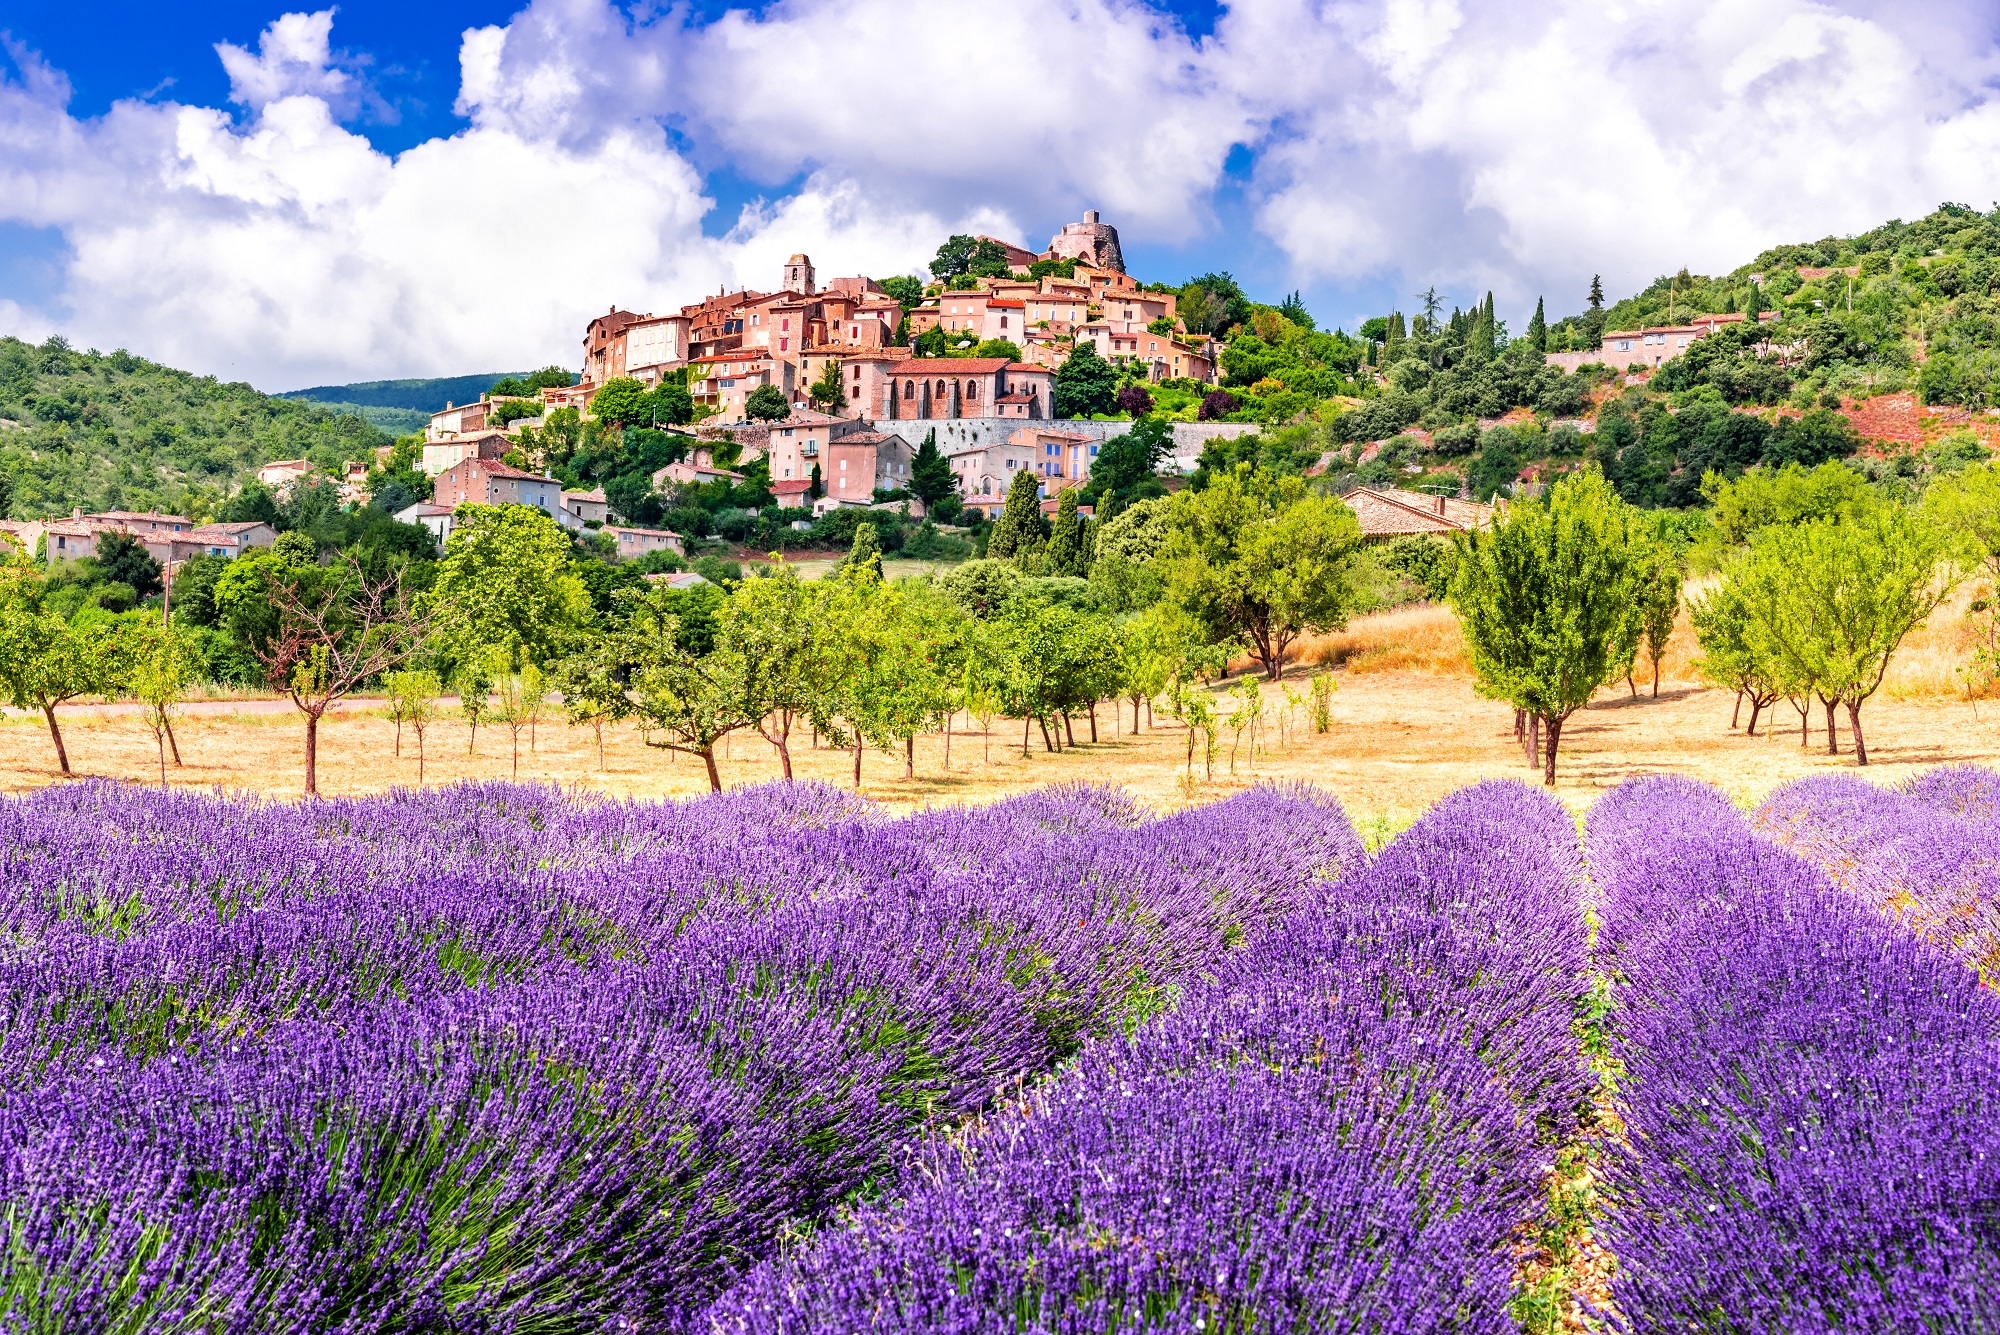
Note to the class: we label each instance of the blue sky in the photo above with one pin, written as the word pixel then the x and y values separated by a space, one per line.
pixel 422 189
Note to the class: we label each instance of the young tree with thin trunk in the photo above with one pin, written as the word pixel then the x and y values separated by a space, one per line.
pixel 160 672
pixel 592 694
pixel 518 701
pixel 46 661
pixel 1659 596
pixel 1731 655
pixel 779 626
pixel 473 681
pixel 335 629
pixel 414 698
pixel 684 702
pixel 1545 600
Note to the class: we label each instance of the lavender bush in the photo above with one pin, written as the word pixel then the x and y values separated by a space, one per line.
pixel 1338 1129
pixel 1812 1090
pixel 495 1058
pixel 1930 856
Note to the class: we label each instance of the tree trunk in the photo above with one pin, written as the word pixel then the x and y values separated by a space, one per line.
pixel 517 753
pixel 947 739
pixel 1520 724
pixel 1631 686
pixel 1042 723
pixel 420 758
pixel 1656 677
pixel 1737 712
pixel 714 778
pixel 1756 708
pixel 172 744
pixel 1554 738
pixel 55 733
pixel 1149 711
pixel 160 743
pixel 910 756
pixel 1854 726
pixel 312 755
pixel 1024 736
pixel 399 738
pixel 1093 722
pixel 599 726
pixel 857 760
pixel 1069 730
pixel 1832 738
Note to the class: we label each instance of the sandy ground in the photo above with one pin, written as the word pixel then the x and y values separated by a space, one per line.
pixel 1400 740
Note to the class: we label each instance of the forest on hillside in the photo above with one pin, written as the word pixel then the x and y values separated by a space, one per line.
pixel 113 431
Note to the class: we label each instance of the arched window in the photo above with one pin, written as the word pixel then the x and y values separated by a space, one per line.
pixel 909 389
pixel 972 389
pixel 939 391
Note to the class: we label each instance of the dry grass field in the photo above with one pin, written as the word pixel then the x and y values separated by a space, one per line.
pixel 1407 728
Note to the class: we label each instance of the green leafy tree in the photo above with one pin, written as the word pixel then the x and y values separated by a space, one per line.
pixel 1018 532
pixel 998 347
pixel 954 257
pixel 413 700
pixel 1261 557
pixel 1125 464
pixel 592 694
pixel 1538 329
pixel 47 661
pixel 866 553
pixel 163 663
pixel 1086 384
pixel 334 630
pixel 779 626
pixel 1545 602
pixel 1659 594
pixel 672 404
pixel 683 701
pixel 931 477
pixel 123 559
pixel 507 581
pixel 767 403
pixel 1835 598
pixel 1731 653
pixel 828 393
pixel 906 288
pixel 518 701
pixel 1966 507
pixel 473 684
pixel 622 400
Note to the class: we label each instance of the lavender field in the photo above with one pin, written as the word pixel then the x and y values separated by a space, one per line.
pixel 499 1059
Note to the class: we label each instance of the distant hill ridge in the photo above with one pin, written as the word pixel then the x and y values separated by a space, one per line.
pixel 424 396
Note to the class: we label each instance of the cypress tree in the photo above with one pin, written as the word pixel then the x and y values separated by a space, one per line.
pixel 1392 342
pixel 1019 529
pixel 1538 329
pixel 1596 292
pixel 930 473
pixel 818 488
pixel 1753 304
pixel 1066 541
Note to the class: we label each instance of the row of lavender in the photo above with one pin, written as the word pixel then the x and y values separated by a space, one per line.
pixel 1342 1129
pixel 1811 1082
pixel 494 1059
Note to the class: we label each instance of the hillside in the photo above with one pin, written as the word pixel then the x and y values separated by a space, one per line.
pixel 108 431
pixel 399 407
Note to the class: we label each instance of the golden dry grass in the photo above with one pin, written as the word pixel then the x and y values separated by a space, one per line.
pixel 1400 741
pixel 1420 638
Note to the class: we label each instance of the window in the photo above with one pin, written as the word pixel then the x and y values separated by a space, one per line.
pixel 909 389
pixel 785 324
pixel 972 389
pixel 1003 322
pixel 939 391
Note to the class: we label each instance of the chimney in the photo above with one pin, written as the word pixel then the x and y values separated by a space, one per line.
pixel 1440 502
pixel 76 512
pixel 1090 215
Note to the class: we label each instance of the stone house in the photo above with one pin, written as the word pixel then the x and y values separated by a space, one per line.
pixel 859 463
pixel 967 387
pixel 486 482
pixel 440 455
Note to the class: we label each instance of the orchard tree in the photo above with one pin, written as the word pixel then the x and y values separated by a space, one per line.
pixel 866 552
pixel 1659 595
pixel 334 630
pixel 162 666
pixel 1732 655
pixel 1545 602
pixel 46 661
pixel 1835 599
pixel 684 701
pixel 507 582
pixel 413 697
pixel 1260 557
pixel 1966 507
pixel 778 625
pixel 591 692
